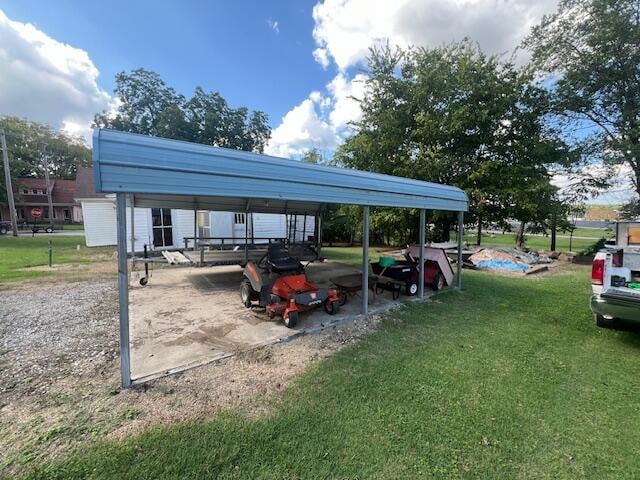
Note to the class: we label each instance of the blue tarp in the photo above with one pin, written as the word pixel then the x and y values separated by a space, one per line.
pixel 502 265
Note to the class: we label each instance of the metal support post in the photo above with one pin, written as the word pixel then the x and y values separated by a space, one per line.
pixel 318 234
pixel 421 241
pixel 459 259
pixel 133 229
pixel 246 238
pixel 365 260
pixel 123 290
pixel 195 228
pixel 7 184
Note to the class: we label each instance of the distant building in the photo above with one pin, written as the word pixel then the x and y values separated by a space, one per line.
pixel 161 228
pixel 30 193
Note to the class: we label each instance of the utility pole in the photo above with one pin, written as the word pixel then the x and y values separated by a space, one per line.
pixel 45 160
pixel 7 182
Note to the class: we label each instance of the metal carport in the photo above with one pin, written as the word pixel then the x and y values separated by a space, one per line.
pixel 162 173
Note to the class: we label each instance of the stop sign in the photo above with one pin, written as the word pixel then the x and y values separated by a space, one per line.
pixel 36 212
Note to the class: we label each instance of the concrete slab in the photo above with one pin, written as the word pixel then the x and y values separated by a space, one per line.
pixel 186 316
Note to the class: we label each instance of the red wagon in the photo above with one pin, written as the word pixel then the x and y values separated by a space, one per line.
pixel 437 269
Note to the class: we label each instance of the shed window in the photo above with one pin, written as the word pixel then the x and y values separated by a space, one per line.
pixel 162 227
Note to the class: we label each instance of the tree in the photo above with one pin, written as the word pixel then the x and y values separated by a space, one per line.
pixel 28 142
pixel 456 116
pixel 313 155
pixel 630 211
pixel 149 106
pixel 592 50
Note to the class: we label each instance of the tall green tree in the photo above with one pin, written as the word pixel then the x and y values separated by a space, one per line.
pixel 456 116
pixel 28 142
pixel 149 106
pixel 590 50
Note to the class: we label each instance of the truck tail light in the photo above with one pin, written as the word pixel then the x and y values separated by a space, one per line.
pixel 597 271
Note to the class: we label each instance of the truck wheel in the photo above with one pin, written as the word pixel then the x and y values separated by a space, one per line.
pixel 291 319
pixel 3 230
pixel 603 322
pixel 49 230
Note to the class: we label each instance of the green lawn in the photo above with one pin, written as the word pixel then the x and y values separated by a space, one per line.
pixel 508 379
pixel 540 242
pixel 73 226
pixel 25 251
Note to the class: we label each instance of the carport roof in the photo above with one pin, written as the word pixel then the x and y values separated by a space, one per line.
pixel 176 174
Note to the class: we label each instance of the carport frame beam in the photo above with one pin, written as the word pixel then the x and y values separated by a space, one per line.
pixel 421 241
pixel 365 260
pixel 123 290
pixel 459 259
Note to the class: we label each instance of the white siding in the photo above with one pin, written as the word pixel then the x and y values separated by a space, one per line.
pixel 182 226
pixel 302 232
pixel 99 223
pixel 269 225
pixel 142 228
pixel 221 224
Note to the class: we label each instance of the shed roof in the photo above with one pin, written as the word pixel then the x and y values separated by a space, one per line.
pixel 176 174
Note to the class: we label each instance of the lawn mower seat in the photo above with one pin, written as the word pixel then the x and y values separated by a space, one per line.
pixel 279 259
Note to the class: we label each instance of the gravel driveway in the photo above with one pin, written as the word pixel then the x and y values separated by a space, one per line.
pixel 47 333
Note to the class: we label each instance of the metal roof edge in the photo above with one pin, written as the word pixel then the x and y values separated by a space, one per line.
pixel 149 141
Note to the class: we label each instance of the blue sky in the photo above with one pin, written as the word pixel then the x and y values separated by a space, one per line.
pixel 297 60
pixel 225 46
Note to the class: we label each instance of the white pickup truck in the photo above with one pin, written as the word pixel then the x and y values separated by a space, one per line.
pixel 614 273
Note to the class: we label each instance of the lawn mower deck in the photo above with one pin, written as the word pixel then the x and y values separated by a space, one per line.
pixel 278 283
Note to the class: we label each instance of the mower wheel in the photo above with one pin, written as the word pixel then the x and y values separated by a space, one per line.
pixel 342 298
pixel 331 307
pixel 3 230
pixel 144 281
pixel 291 319
pixel 48 230
pixel 411 288
pixel 247 294
pixel 438 282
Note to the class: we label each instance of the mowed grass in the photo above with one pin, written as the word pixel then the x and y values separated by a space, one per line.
pixel 582 239
pixel 508 379
pixel 19 253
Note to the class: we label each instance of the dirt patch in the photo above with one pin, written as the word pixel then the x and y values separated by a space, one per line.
pixel 65 392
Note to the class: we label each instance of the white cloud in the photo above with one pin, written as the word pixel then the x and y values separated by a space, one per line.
pixel 346 29
pixel 345 95
pixel 48 81
pixel 273 25
pixel 302 128
pixel 319 121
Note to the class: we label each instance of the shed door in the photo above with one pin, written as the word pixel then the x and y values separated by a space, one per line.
pixel 162 227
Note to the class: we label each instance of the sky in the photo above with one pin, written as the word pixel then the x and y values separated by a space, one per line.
pixel 300 61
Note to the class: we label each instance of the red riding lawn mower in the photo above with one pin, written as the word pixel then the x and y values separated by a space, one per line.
pixel 278 283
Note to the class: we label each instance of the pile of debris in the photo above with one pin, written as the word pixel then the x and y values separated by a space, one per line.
pixel 509 259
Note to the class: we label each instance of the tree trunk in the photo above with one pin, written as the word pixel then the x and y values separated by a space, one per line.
pixel 479 237
pixel 520 235
pixel 554 228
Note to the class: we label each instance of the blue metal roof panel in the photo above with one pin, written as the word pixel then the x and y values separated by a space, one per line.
pixel 162 168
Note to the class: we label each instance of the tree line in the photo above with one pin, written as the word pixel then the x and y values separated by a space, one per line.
pixel 501 131
pixel 489 124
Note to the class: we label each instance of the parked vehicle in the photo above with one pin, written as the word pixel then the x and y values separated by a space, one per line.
pixel 4 227
pixel 615 278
